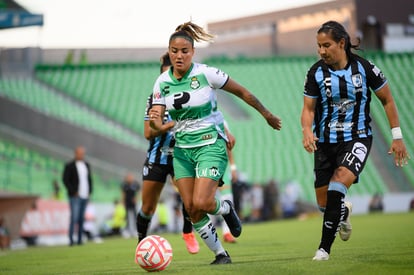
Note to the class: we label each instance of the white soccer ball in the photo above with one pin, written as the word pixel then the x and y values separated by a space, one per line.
pixel 153 253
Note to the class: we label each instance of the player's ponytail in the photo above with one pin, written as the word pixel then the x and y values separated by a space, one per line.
pixel 192 32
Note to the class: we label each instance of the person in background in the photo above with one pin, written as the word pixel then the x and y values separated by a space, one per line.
pixel 187 90
pixel 118 218
pixel 4 235
pixel 90 227
pixel 376 204
pixel 57 191
pixel 130 187
pixel 335 125
pixel 225 190
pixel 77 178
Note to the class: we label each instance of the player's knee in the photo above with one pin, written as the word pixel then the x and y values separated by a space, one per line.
pixel 202 205
pixel 148 209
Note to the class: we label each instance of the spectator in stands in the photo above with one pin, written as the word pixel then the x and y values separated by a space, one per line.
pixel 335 126
pixel 77 178
pixel 57 191
pixel 376 204
pixel 4 235
pixel 163 217
pixel 130 188
pixel 90 227
pixel 188 92
pixel 118 219
pixel 271 205
pixel 240 187
pixel 257 199
pixel 411 207
pixel 226 188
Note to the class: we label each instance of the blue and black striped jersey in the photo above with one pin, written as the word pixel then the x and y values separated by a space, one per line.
pixel 160 150
pixel 343 99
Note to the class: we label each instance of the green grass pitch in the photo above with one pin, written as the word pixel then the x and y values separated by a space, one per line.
pixel 380 244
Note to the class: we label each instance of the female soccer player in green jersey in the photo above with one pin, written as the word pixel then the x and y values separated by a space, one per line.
pixel 188 91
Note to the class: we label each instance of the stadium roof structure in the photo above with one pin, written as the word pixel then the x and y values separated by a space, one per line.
pixel 12 15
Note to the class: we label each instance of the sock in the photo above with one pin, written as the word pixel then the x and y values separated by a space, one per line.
pixel 208 233
pixel 187 225
pixel 334 213
pixel 222 208
pixel 143 222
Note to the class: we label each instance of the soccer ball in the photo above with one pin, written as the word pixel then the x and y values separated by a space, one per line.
pixel 153 253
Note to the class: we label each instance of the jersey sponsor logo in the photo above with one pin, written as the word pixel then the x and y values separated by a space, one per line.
pixel 360 151
pixel 180 99
pixel 156 95
pixel 206 137
pixel 195 84
pixel 362 131
pixel 214 171
pixel 340 126
pixel 378 72
pixel 167 150
pixel 209 172
pixel 145 170
pixel 343 105
pixel 218 72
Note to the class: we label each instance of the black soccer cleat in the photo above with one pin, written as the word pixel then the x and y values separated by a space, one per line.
pixel 233 221
pixel 223 258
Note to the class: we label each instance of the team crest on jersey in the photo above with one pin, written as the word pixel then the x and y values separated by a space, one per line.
pixel 195 84
pixel 357 80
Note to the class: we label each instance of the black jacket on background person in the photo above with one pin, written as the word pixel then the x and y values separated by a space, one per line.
pixel 71 178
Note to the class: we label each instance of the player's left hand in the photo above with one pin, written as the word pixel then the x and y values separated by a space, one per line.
pixel 401 155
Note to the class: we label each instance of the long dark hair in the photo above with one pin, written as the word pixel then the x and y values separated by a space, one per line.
pixel 165 61
pixel 337 32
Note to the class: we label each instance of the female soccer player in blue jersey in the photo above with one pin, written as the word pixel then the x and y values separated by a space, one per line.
pixel 336 126
pixel 187 91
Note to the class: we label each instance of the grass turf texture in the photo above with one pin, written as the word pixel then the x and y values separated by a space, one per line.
pixel 380 244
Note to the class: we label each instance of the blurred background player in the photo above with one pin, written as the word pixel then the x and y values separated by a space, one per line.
pixel 130 187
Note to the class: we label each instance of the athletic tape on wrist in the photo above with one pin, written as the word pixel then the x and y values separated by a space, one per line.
pixel 396 133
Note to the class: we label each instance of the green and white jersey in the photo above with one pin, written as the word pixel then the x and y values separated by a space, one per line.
pixel 192 103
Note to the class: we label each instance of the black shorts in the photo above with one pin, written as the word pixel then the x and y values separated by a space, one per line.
pixel 329 156
pixel 156 172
